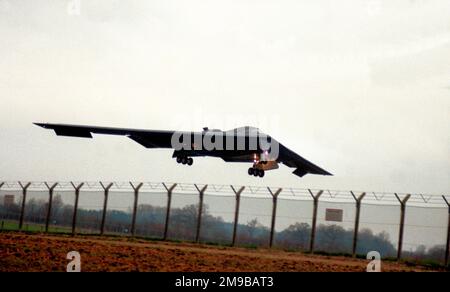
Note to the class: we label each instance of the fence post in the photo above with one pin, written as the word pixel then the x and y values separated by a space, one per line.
pixel 75 207
pixel 1 184
pixel 402 223
pixel 169 203
pixel 274 213
pixel 105 206
pixel 314 219
pixel 24 198
pixel 447 247
pixel 136 195
pixel 50 202
pixel 200 210
pixel 356 229
pixel 236 212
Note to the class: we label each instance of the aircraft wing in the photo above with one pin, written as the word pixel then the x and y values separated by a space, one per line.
pixel 147 138
pixel 302 166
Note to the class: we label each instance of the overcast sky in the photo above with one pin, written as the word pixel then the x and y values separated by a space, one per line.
pixel 360 88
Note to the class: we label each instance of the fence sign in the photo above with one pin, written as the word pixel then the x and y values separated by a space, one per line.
pixel 334 215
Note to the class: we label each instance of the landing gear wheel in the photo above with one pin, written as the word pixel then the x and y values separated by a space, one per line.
pixel 261 173
pixel 190 161
pixel 178 159
pixel 255 172
pixel 251 170
pixel 184 160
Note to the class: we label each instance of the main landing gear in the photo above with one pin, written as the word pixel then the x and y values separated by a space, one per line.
pixel 185 160
pixel 256 172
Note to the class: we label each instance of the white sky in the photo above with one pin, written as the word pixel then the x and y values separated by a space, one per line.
pixel 360 88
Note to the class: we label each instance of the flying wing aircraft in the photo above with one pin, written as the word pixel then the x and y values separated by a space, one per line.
pixel 245 144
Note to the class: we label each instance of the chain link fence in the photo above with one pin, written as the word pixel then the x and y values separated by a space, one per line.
pixel 407 226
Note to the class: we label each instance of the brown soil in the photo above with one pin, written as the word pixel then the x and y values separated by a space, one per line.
pixel 40 252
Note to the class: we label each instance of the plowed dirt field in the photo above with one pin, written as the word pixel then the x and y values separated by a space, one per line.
pixel 41 252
